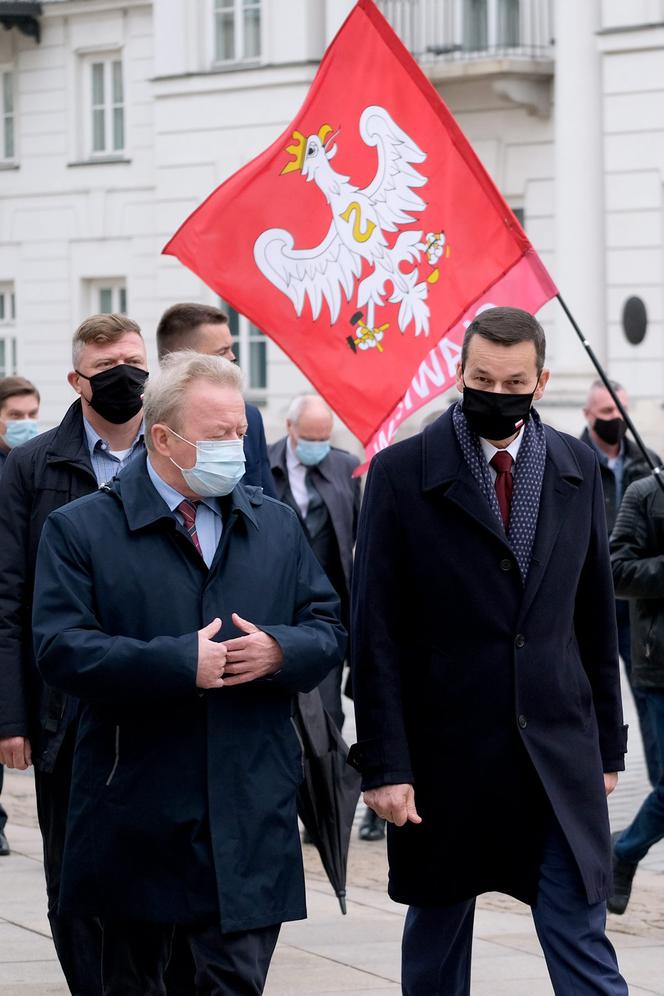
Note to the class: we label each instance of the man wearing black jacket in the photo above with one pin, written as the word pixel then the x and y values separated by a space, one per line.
pixel 637 556
pixel 621 463
pixel 100 434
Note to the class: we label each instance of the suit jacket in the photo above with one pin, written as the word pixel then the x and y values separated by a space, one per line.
pixel 257 471
pixel 499 701
pixel 340 491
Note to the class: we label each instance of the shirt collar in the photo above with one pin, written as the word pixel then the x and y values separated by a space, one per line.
pixel 174 498
pixel 96 442
pixel 602 456
pixel 489 450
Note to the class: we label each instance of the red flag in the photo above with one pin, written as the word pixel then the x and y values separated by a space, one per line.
pixel 365 233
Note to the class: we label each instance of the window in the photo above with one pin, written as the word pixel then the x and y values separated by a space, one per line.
pixel 250 348
pixel 8 361
pixel 7 145
pixel 108 296
pixel 488 25
pixel 237 30
pixel 106 115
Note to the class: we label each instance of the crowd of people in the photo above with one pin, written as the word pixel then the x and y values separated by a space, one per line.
pixel 169 583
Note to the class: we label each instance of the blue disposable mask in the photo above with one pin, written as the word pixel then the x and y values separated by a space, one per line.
pixel 20 431
pixel 219 466
pixel 310 452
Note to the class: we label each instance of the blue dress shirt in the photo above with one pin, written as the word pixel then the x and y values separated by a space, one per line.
pixel 105 464
pixel 209 524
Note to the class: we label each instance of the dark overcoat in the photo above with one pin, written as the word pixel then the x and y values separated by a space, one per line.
pixel 340 491
pixel 500 702
pixel 183 804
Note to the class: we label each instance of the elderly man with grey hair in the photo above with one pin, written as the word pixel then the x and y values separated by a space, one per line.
pixel 184 610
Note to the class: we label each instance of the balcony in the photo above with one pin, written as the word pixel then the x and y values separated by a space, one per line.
pixel 507 41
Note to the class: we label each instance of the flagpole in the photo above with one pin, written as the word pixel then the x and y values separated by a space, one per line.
pixel 657 471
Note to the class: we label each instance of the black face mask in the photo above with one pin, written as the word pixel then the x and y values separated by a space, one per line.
pixel 117 393
pixel 610 430
pixel 496 416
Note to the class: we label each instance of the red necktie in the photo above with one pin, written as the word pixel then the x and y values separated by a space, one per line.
pixel 502 464
pixel 187 510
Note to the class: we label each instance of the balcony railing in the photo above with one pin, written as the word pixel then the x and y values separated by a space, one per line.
pixel 453 30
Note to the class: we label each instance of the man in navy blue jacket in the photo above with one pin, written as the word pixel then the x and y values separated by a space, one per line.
pixel 205 330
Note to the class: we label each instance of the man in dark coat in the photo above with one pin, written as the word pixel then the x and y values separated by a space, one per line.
pixel 620 464
pixel 101 432
pixel 316 480
pixel 19 411
pixel 187 764
pixel 485 671
pixel 637 547
pixel 205 329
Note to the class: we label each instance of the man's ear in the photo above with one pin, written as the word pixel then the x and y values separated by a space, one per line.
pixel 541 384
pixel 73 379
pixel 459 377
pixel 160 437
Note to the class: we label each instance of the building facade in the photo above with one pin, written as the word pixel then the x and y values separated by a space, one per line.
pixel 120 116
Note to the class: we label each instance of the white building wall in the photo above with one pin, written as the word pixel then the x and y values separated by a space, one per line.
pixel 64 222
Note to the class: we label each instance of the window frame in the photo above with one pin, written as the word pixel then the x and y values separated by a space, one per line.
pixel 248 334
pixel 118 290
pixel 237 8
pixel 7 70
pixel 493 26
pixel 108 106
pixel 8 336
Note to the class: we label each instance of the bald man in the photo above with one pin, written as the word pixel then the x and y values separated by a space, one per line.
pixel 315 479
pixel 621 463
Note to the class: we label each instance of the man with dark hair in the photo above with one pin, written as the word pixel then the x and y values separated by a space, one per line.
pixel 205 329
pixel 99 435
pixel 620 464
pixel 485 671
pixel 19 410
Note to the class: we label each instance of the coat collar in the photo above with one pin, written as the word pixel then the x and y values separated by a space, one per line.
pixel 143 505
pixel 69 443
pixel 444 468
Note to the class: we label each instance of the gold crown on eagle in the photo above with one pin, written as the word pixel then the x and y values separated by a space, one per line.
pixel 297 149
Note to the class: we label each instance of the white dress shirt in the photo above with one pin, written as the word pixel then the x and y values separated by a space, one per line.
pixel 489 451
pixel 297 479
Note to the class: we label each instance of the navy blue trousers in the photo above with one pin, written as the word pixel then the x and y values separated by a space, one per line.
pixel 647 827
pixel 646 725
pixel 437 941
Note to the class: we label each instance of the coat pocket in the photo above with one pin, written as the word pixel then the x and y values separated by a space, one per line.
pixel 116 759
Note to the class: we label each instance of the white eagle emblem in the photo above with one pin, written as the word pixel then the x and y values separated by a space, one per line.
pixel 361 221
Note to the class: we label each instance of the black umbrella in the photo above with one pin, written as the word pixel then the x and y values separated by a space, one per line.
pixel 327 798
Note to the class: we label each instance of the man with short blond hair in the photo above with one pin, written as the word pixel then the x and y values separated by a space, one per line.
pixel 185 610
pixel 99 435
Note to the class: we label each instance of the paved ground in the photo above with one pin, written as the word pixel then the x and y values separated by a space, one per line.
pixel 357 954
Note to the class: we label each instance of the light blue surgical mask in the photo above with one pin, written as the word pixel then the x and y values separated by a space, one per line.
pixel 219 466
pixel 310 452
pixel 20 431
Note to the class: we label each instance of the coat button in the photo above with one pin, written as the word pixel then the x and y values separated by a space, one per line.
pixel 506 565
pixel 520 640
pixel 523 722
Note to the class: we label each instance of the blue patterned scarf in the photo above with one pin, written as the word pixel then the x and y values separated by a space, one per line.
pixel 528 478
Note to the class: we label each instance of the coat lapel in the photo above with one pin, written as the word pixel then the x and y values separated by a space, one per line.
pixel 444 469
pixel 562 476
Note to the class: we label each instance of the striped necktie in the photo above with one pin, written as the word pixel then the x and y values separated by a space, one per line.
pixel 187 510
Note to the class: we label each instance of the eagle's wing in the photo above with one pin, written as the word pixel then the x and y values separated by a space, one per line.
pixel 319 273
pixel 391 190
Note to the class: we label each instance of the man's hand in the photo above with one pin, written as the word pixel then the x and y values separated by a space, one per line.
pixel 250 657
pixel 395 803
pixel 15 752
pixel 610 782
pixel 211 657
